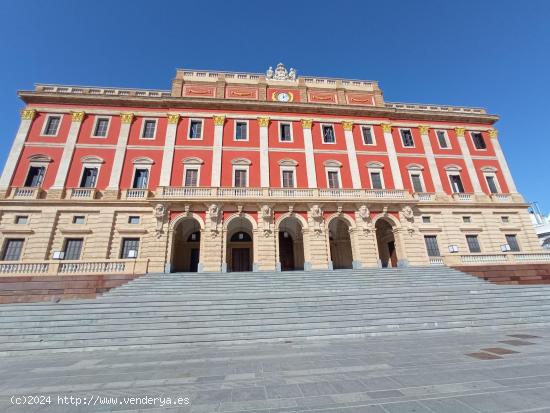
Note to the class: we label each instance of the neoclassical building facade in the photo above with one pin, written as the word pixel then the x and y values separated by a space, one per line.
pixel 254 172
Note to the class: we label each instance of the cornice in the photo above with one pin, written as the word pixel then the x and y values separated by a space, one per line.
pixel 173 103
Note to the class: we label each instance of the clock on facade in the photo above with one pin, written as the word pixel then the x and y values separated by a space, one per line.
pixel 283 96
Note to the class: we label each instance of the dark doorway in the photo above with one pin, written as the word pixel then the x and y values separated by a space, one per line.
pixel 240 244
pixel 194 260
pixel 291 244
pixel 340 244
pixel 393 256
pixel 186 246
pixel 240 260
pixel 387 252
pixel 286 251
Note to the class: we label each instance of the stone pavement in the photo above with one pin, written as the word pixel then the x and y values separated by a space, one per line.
pixel 483 371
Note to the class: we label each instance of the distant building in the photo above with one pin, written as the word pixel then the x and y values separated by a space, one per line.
pixel 542 225
pixel 246 171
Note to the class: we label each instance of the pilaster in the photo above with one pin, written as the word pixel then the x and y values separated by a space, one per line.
pixel 468 161
pixel 310 158
pixel 432 166
pixel 168 151
pixel 264 152
pixel 352 154
pixel 219 121
pixel 392 155
pixel 27 116
pixel 120 152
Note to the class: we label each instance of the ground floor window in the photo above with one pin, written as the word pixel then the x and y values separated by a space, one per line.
pixel 12 249
pixel 130 247
pixel 431 245
pixel 473 243
pixel 512 241
pixel 73 248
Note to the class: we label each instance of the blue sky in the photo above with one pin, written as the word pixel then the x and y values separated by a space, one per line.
pixel 494 54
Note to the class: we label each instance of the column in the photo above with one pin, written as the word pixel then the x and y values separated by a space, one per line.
pixel 168 151
pixel 310 159
pixel 264 152
pixel 468 160
pixel 352 155
pixel 125 124
pixel 27 116
pixel 66 158
pixel 392 155
pixel 493 134
pixel 219 121
pixel 434 172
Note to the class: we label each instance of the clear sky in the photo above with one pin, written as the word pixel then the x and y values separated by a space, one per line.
pixel 493 54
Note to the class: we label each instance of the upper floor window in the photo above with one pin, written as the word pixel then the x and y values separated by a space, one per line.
pixel 101 126
pixel 240 178
pixel 416 180
pixel 89 177
pixel 512 241
pixel 285 132
pixel 431 245
pixel 479 142
pixel 141 177
pixel 195 129
pixel 333 178
pixel 191 177
pixel 35 176
pixel 407 138
pixel 456 183
pixel 12 249
pixel 73 248
pixel 52 125
pixel 368 136
pixel 376 180
pixel 328 134
pixel 241 131
pixel 287 176
pixel 473 243
pixel 492 184
pixel 442 139
pixel 149 129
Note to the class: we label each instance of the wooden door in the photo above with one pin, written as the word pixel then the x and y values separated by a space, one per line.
pixel 286 252
pixel 240 259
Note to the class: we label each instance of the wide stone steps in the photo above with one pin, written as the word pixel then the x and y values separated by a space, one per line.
pixel 180 309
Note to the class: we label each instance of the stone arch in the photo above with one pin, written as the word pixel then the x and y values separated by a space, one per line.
pixel 240 242
pixel 237 215
pixel 186 243
pixel 290 242
pixel 186 215
pixel 38 157
pixel 299 217
pixel 388 241
pixel 91 159
pixel 142 160
pixel 342 215
pixel 192 160
pixel 339 229
pixel 394 222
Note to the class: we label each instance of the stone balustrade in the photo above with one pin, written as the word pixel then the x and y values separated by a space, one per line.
pixel 74 267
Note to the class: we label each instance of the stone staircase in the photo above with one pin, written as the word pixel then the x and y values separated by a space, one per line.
pixel 168 310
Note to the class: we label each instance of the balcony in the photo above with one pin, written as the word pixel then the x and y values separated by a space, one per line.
pixel 463 197
pixel 501 197
pixel 82 193
pixel 135 194
pixel 424 196
pixel 26 193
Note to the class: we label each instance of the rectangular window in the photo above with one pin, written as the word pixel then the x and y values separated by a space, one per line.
pixel 73 248
pixel 195 129
pixel 12 249
pixel 442 139
pixel 505 219
pixel 328 134
pixel 241 131
pixel 286 135
pixel 367 135
pixel 417 183
pixel 479 142
pixel 407 138
pixel 149 129
pixel 101 127
pixel 333 179
pixel 240 178
pixel 141 177
pixel 21 219
pixel 512 241
pixel 35 176
pixel 473 243
pixel 426 220
pixel 456 184
pixel 492 184
pixel 133 219
pixel 89 178
pixel 79 219
pixel 129 244
pixel 376 180
pixel 431 245
pixel 191 177
pixel 288 179
pixel 52 125
pixel 466 220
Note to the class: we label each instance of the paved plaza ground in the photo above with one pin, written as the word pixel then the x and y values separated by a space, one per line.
pixel 480 371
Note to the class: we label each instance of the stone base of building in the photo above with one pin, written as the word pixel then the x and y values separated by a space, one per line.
pixel 510 274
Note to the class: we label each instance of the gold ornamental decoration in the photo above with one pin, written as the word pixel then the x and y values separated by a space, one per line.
pixel 263 121
pixel 173 118
pixel 77 116
pixel 347 124
pixel 306 123
pixel 126 117
pixel 219 120
pixel 460 131
pixel 423 129
pixel 28 114
pixel 386 127
pixel 493 133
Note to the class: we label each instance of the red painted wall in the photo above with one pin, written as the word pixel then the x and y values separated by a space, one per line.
pixel 23 166
pixel 275 168
pixel 75 169
pixel 205 175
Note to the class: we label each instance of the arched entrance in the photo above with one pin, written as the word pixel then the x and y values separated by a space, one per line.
pixel 291 244
pixel 387 251
pixel 239 245
pixel 186 246
pixel 340 244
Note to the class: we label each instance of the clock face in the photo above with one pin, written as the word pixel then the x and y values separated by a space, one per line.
pixel 283 97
